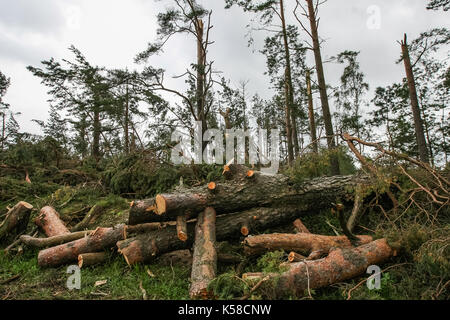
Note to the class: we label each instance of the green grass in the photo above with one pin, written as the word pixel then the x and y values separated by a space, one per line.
pixel 123 282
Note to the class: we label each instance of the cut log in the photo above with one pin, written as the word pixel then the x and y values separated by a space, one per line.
pixel 312 245
pixel 90 259
pixel 212 187
pixel 300 227
pixel 250 174
pixel 53 241
pixel 234 171
pixel 245 228
pixel 182 232
pixel 263 191
pixel 145 247
pixel 16 219
pixel 338 266
pixel 295 257
pixel 143 212
pixel 100 239
pixel 204 258
pixel 50 222
pixel 95 212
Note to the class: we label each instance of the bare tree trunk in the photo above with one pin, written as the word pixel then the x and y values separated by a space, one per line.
pixel 312 120
pixel 96 134
pixel 200 94
pixel 418 123
pixel 126 125
pixel 288 88
pixel 334 162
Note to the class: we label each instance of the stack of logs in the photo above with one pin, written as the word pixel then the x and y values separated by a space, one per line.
pixel 248 202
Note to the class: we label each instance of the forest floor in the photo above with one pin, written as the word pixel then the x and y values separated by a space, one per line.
pixel 407 277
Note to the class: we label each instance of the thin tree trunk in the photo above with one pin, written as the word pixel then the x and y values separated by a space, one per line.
pixel 200 93
pixel 288 88
pixel 96 134
pixel 312 120
pixel 418 123
pixel 126 125
pixel 334 162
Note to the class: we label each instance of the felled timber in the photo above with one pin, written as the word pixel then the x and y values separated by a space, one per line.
pixel 312 245
pixel 204 258
pixel 243 194
pixel 340 265
pixel 100 239
pixel 50 222
pixel 146 247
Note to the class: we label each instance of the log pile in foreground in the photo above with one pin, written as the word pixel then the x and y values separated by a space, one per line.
pixel 338 266
pixel 243 206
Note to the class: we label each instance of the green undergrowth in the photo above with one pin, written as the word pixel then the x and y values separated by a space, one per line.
pixel 123 282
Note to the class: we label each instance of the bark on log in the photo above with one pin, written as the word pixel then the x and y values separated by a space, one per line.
pixel 145 247
pixel 53 241
pixel 300 227
pixel 260 191
pixel 101 238
pixel 50 222
pixel 142 228
pixel 95 212
pixel 89 259
pixel 16 219
pixel 204 259
pixel 142 212
pixel 340 265
pixel 184 258
pixel 312 245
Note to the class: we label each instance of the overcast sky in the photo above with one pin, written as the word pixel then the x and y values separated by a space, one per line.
pixel 111 32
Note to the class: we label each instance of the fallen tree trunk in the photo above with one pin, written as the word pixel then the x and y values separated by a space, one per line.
pixel 95 212
pixel 101 238
pixel 145 247
pixel 204 258
pixel 338 266
pixel 53 241
pixel 243 194
pixel 309 244
pixel 16 219
pixel 90 259
pixel 50 222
